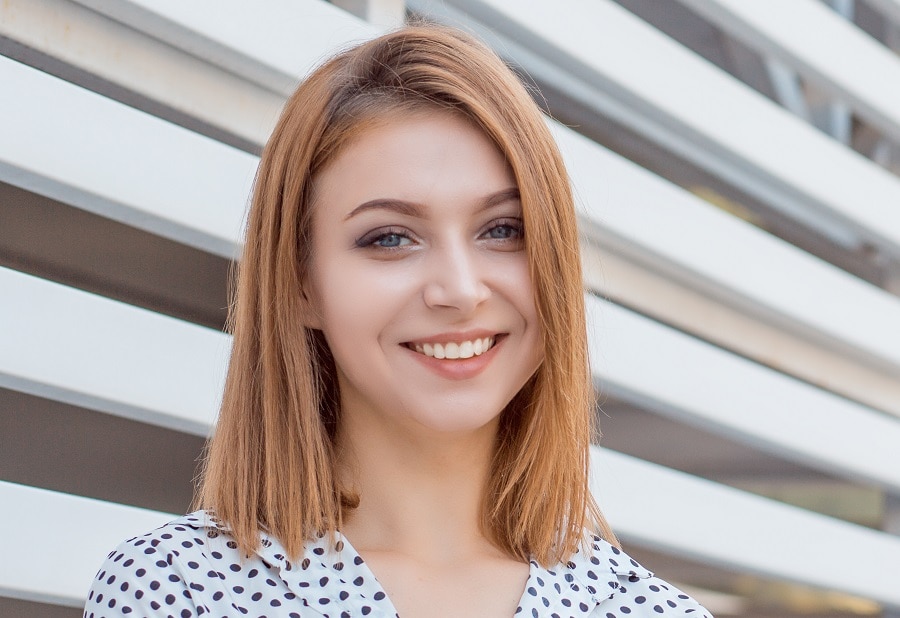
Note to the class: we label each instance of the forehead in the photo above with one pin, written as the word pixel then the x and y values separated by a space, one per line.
pixel 433 158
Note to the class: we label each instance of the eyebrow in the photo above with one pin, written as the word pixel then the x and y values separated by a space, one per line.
pixel 413 209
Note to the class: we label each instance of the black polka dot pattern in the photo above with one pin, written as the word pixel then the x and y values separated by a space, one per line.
pixel 604 582
pixel 191 567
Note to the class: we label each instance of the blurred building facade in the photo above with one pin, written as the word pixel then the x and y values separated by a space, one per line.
pixel 736 165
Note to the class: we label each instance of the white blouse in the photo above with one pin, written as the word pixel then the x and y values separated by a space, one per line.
pixel 192 567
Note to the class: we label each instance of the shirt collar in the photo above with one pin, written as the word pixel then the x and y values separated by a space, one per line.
pixel 576 587
pixel 332 578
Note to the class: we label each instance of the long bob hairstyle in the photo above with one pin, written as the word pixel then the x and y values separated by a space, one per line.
pixel 271 463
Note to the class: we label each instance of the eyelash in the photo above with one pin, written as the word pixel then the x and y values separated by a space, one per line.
pixel 371 239
pixel 513 223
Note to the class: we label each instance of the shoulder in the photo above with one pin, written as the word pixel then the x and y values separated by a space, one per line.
pixel 176 569
pixel 192 567
pixel 617 585
pixel 173 544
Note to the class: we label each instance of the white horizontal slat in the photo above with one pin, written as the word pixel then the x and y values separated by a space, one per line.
pixel 675 512
pixel 54 543
pixel 80 38
pixel 714 253
pixel 273 43
pixel 618 64
pixel 85 150
pixel 64 344
pixel 72 346
pixel 824 48
pixel 135 405
pixel 711 260
pixel 663 370
pixel 647 504
pixel 664 297
pixel 184 186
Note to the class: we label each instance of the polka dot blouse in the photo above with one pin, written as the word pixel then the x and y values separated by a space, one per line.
pixel 191 567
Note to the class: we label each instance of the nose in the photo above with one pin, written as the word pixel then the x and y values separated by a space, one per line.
pixel 457 280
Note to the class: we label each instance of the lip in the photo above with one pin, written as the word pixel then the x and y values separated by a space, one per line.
pixel 459 368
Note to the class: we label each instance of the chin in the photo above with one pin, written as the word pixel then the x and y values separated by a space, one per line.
pixel 451 420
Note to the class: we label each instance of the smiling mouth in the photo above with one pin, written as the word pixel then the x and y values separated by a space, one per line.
pixel 454 350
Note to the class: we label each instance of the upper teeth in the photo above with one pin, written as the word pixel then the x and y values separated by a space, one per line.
pixel 463 349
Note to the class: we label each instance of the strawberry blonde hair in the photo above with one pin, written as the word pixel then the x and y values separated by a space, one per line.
pixel 271 462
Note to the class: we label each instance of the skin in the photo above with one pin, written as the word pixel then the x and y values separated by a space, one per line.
pixel 417 434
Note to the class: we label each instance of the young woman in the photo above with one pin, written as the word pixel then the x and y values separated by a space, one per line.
pixel 407 414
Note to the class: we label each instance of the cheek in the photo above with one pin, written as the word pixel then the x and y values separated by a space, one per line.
pixel 520 289
pixel 362 299
pixel 526 302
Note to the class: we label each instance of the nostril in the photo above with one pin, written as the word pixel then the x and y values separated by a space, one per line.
pixel 462 297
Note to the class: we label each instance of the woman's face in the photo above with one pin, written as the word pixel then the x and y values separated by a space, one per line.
pixel 419 280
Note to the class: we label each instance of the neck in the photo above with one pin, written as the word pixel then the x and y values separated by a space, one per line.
pixel 420 491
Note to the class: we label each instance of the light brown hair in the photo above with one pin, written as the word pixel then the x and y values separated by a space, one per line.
pixel 271 462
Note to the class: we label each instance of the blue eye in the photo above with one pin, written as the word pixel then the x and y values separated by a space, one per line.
pixel 504 229
pixel 391 240
pixel 385 238
pixel 502 232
